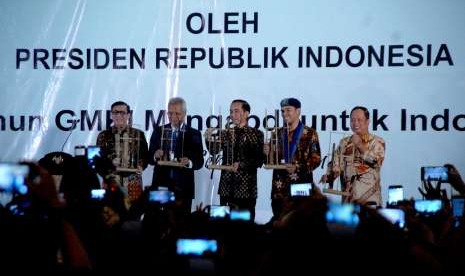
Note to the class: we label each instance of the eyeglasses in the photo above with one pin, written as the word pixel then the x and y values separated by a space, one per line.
pixel 122 113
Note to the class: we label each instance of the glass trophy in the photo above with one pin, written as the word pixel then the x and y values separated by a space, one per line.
pixel 127 152
pixel 171 139
pixel 273 139
pixel 333 155
pixel 220 144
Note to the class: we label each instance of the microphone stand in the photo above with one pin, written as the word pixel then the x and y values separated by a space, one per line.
pixel 73 127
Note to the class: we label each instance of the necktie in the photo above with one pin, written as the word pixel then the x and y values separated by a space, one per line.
pixel 175 140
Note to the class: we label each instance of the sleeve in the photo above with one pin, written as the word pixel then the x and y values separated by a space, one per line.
pixel 313 160
pixel 334 170
pixel 100 140
pixel 153 146
pixel 143 150
pixel 253 153
pixel 315 151
pixel 197 150
pixel 374 156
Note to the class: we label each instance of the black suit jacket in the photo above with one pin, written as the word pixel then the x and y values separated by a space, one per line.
pixel 189 144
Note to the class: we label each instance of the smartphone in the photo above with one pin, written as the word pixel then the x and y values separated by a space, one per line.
pixel 424 206
pixel 242 215
pixel 80 150
pixel 301 189
pixel 161 196
pixel 435 173
pixel 395 216
pixel 196 247
pixel 458 204
pixel 98 193
pixel 395 194
pixel 219 211
pixel 92 152
pixel 13 178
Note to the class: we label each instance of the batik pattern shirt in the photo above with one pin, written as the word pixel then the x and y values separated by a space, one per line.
pixel 360 173
pixel 127 149
pixel 307 157
pixel 243 145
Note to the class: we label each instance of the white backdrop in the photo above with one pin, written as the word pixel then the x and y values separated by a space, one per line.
pixel 421 70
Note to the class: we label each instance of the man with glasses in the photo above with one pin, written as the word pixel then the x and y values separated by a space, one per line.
pixel 127 148
pixel 176 151
pixel 358 160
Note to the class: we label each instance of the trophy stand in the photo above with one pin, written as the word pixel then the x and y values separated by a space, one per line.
pixel 330 189
pixel 167 145
pixel 273 139
pixel 127 153
pixel 215 142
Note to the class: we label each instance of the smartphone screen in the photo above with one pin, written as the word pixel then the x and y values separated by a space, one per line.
pixel 435 173
pixel 98 193
pixel 458 204
pixel 219 211
pixel 301 189
pixel 13 177
pixel 243 215
pixel 161 196
pixel 395 216
pixel 395 194
pixel 343 213
pixel 79 151
pixel 197 247
pixel 428 206
pixel 92 152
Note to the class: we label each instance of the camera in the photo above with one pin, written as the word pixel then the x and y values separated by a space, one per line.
pixel 395 216
pixel 428 207
pixel 161 196
pixel 301 189
pixel 435 173
pixel 196 247
pixel 219 211
pixel 395 194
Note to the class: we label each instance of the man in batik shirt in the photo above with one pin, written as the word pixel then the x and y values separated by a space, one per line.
pixel 358 160
pixel 241 147
pixel 298 148
pixel 127 148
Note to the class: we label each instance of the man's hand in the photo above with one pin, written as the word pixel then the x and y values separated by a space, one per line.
pixel 266 149
pixel 185 161
pixel 235 166
pixel 291 168
pixel 158 154
pixel 324 178
pixel 358 143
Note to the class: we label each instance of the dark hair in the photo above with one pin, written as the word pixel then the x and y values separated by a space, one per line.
pixel 362 108
pixel 245 105
pixel 121 103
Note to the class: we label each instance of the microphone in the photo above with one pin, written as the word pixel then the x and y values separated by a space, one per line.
pixel 74 120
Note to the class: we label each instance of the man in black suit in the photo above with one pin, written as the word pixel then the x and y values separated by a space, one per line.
pixel 182 145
